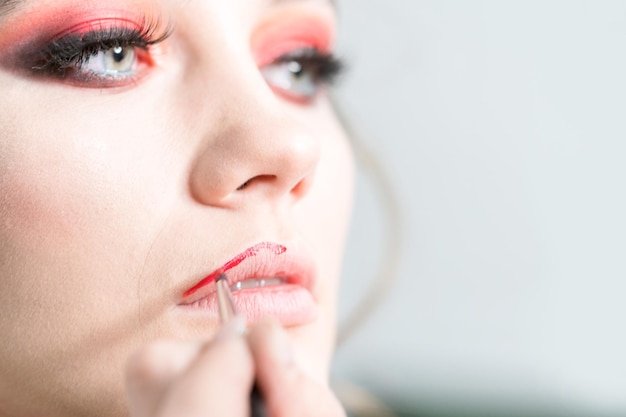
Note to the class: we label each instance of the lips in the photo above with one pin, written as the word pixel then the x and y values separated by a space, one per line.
pixel 266 279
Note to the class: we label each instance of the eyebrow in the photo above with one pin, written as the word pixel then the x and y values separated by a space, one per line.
pixel 7 5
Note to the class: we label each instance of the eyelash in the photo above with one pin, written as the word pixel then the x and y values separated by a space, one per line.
pixel 64 58
pixel 299 74
pixel 65 55
pixel 325 66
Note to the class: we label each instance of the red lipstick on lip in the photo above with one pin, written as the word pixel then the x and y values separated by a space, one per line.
pixel 251 251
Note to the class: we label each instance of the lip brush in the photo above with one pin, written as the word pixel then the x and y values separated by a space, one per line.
pixel 228 310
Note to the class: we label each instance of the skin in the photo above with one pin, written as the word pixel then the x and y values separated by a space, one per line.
pixel 112 198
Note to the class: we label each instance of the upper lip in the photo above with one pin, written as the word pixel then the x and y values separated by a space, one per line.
pixel 261 260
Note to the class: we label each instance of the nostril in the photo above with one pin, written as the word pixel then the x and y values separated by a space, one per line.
pixel 244 185
pixel 257 179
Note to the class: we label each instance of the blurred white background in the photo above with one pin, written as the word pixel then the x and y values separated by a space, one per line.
pixel 503 127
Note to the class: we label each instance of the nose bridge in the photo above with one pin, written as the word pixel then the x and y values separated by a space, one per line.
pixel 257 149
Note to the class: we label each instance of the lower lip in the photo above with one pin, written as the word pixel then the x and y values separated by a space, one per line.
pixel 290 304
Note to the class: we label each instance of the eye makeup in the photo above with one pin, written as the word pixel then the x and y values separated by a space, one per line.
pixel 294 56
pixel 66 55
pixel 94 49
pixel 299 74
pixel 101 48
pixel 276 38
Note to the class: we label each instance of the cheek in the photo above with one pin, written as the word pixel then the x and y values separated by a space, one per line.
pixel 325 215
pixel 61 188
pixel 323 218
pixel 82 183
pixel 82 198
pixel 46 194
pixel 80 205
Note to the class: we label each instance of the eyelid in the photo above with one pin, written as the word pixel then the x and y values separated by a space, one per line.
pixel 315 71
pixel 65 54
pixel 40 24
pixel 33 30
pixel 280 36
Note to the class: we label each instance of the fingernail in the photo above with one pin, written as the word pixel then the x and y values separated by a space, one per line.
pixel 233 328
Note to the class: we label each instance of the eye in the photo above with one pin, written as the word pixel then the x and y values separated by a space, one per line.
pixel 301 73
pixel 104 57
pixel 116 61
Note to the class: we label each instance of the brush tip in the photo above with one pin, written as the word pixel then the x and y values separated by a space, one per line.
pixel 221 277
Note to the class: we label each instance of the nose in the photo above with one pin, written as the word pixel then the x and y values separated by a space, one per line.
pixel 254 150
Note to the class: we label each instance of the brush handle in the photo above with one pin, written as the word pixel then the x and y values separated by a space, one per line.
pixel 257 404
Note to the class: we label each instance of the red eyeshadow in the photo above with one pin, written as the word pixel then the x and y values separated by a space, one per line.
pixel 39 27
pixel 271 42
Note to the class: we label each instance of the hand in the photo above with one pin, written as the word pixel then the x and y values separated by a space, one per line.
pixel 214 379
pixel 287 391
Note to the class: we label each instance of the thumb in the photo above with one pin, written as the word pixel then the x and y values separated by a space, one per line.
pixel 286 389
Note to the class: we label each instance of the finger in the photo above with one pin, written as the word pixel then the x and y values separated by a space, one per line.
pixel 287 391
pixel 150 371
pixel 217 383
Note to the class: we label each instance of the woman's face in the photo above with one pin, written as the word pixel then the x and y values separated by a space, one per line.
pixel 134 165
